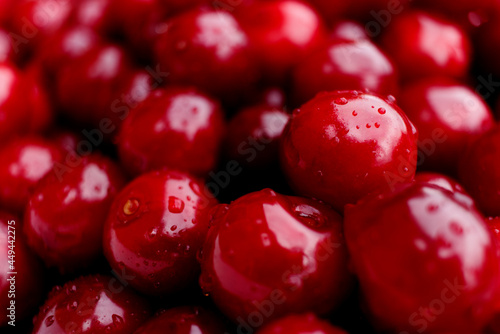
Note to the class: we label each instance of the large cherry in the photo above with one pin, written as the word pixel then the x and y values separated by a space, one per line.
pixel 65 216
pixel 268 255
pixel 155 228
pixel 343 145
pixel 424 258
pixel 300 324
pixel 92 304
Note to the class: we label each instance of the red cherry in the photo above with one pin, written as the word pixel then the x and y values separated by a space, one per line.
pixel 448 116
pixel 440 180
pixel 24 162
pixel 91 304
pixel 93 14
pixel 41 112
pixel 177 127
pixel 343 145
pixel 183 320
pixel 67 210
pixel 479 174
pixel 17 261
pixel 208 49
pixel 107 88
pixel 155 228
pixel 287 32
pixel 253 135
pixel 300 324
pixel 268 255
pixel 7 53
pixel 423 45
pixel 348 30
pixel 343 64
pixel 424 258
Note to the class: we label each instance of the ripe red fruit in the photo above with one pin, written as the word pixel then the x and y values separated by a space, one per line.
pixel 287 32
pixel 178 127
pixel 27 287
pixel 300 324
pixel 448 116
pixel 344 64
pixel 424 258
pixel 91 304
pixel 343 145
pixel 208 49
pixel 253 135
pixel 183 320
pixel 479 173
pixel 442 181
pixel 422 44
pixel 155 228
pixel 66 213
pixel 268 255
pixel 25 161
pixel 348 30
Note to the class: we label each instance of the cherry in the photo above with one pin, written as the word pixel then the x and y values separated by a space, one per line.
pixel 7 53
pixel 91 304
pixel 344 64
pixel 424 258
pixel 268 255
pixel 253 135
pixel 208 49
pixel 25 291
pixel 183 320
pixel 442 181
pixel 348 30
pixel 94 15
pixel 424 45
pixel 287 32
pixel 24 162
pixel 67 210
pixel 448 116
pixel 155 228
pixel 300 324
pixel 177 127
pixel 343 145
pixel 108 87
pixel 478 173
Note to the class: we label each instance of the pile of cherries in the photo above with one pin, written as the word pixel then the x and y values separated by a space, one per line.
pixel 249 166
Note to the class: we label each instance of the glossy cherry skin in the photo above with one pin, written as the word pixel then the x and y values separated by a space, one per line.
pixel 67 210
pixel 253 135
pixel 25 161
pixel 343 145
pixel 287 32
pixel 176 127
pixel 442 181
pixel 422 45
pixel 448 116
pixel 300 324
pixel 343 64
pixel 444 274
pixel 291 258
pixel 108 86
pixel 348 30
pixel 478 172
pixel 28 286
pixel 92 304
pixel 183 320
pixel 155 228
pixel 208 49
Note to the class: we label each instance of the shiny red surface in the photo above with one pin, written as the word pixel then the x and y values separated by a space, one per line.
pixel 208 49
pixel 448 116
pixel 425 260
pixel 268 255
pixel 300 324
pixel 67 210
pixel 479 174
pixel 177 127
pixel 422 45
pixel 342 65
pixel 27 287
pixel 25 161
pixel 343 145
pixel 287 31
pixel 253 135
pixel 183 320
pixel 154 230
pixel 91 304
